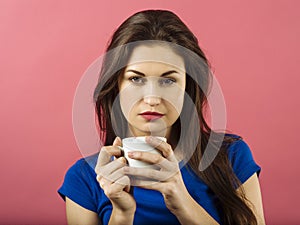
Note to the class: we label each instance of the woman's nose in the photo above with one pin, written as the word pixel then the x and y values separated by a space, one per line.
pixel 152 100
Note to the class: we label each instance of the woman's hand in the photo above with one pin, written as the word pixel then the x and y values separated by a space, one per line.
pixel 115 184
pixel 167 179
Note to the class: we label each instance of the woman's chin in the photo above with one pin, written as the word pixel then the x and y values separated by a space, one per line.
pixel 149 130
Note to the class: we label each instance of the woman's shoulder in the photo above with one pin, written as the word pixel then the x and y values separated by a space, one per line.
pixel 236 146
pixel 80 184
pixel 84 164
pixel 232 137
pixel 235 143
pixel 241 157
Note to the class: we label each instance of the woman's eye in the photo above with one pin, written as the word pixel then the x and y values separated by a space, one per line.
pixel 137 80
pixel 167 81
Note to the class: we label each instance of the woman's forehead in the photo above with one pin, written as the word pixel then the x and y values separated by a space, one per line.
pixel 151 54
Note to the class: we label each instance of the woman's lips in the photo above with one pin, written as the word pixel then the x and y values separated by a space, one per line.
pixel 151 115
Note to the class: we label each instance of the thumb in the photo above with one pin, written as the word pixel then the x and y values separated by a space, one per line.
pixel 117 141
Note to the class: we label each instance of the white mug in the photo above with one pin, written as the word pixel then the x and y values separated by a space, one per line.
pixel 139 144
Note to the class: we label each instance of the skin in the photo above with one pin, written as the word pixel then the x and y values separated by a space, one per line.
pixel 124 205
pixel 152 85
pixel 113 176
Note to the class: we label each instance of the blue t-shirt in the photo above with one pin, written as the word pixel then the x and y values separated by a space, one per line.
pixel 80 185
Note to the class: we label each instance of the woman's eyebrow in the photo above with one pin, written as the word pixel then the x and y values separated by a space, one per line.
pixel 163 75
pixel 169 72
pixel 134 71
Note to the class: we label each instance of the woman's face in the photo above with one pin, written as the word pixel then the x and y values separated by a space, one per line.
pixel 152 90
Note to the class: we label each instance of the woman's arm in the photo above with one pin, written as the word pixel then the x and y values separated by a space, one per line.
pixel 253 194
pixel 194 212
pixel 191 212
pixel 77 215
pixel 169 182
pixel 115 184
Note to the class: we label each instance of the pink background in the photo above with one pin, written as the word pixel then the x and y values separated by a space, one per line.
pixel 45 47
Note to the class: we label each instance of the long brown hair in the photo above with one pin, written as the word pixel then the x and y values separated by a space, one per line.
pixel 162 25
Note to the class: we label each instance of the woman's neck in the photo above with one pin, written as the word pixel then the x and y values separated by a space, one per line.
pixel 133 132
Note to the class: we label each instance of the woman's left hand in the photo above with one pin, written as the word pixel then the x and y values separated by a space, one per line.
pixel 167 179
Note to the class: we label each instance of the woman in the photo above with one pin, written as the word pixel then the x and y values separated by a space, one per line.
pixel 156 88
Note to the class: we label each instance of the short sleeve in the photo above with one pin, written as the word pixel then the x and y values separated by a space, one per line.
pixel 242 160
pixel 78 185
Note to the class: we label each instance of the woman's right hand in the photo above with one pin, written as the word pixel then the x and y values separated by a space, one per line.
pixel 113 181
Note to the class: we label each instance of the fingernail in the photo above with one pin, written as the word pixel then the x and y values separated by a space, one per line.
pixel 98 177
pixel 131 154
pixel 122 159
pixel 149 138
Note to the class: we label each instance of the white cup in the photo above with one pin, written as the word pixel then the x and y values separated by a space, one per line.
pixel 139 144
